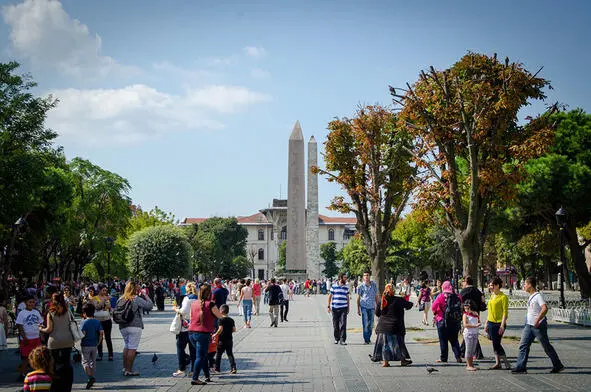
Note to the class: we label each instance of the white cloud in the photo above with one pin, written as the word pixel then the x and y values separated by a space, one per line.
pixel 139 112
pixel 226 99
pixel 187 74
pixel 258 73
pixel 254 51
pixel 43 33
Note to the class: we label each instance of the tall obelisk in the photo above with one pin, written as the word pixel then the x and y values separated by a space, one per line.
pixel 296 203
pixel 312 243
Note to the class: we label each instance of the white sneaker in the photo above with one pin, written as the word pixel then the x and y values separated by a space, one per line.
pixel 179 373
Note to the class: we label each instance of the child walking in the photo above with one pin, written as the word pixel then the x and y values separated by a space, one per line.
pixel 40 378
pixel 471 321
pixel 93 336
pixel 225 342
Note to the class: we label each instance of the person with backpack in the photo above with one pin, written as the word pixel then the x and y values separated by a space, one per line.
pixel 496 322
pixel 469 292
pixel 447 309
pixel 128 314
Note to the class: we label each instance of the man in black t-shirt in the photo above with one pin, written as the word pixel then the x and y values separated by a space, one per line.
pixel 225 342
pixel 469 292
pixel 275 299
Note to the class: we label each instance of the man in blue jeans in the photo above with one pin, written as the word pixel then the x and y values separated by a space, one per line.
pixel 536 326
pixel 367 299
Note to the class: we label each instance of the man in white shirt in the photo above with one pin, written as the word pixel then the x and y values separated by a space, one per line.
pixel 536 326
pixel 284 306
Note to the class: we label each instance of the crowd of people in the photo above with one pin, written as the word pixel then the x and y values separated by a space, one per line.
pixel 44 316
pixel 454 312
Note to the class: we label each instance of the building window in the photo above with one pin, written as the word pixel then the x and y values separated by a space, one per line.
pixel 283 235
pixel 348 234
pixel 261 235
pixel 331 234
pixel 261 254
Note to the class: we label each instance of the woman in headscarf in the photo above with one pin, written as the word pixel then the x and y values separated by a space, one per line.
pixel 447 330
pixel 390 329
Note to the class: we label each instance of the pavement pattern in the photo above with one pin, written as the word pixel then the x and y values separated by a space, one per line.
pixel 300 355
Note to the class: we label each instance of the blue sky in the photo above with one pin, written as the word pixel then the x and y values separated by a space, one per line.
pixel 194 101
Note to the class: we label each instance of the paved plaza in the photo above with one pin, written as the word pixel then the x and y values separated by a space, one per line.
pixel 300 356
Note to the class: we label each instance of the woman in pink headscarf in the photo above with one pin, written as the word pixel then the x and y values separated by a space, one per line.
pixel 448 323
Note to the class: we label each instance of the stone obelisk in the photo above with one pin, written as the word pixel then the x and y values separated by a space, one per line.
pixel 312 242
pixel 296 203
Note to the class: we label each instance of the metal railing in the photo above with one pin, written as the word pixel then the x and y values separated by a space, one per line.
pixel 574 316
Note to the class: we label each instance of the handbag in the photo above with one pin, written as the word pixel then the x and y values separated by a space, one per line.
pixel 421 307
pixel 75 329
pixel 177 323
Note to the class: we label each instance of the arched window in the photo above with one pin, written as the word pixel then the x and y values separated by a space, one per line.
pixel 331 234
pixel 261 254
pixel 283 235
pixel 261 235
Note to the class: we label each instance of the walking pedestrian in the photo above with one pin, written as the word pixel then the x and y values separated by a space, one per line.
pixel 367 299
pixel 447 309
pixel 496 322
pixel 339 304
pixel 201 326
pixel 284 306
pixel 246 302
pixel 424 301
pixel 182 339
pixel 536 326
pixel 93 336
pixel 275 298
pixel 225 342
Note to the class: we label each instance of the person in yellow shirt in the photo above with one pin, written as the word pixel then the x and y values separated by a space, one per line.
pixel 496 322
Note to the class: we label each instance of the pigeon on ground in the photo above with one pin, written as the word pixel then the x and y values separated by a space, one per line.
pixel 154 359
pixel 431 369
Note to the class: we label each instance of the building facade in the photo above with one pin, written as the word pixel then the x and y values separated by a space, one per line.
pixel 267 229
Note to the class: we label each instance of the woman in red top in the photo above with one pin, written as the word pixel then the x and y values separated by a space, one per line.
pixel 201 326
pixel 256 296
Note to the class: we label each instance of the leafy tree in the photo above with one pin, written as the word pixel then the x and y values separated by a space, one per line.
pixel 141 219
pixel 217 242
pixel 331 256
pixel 159 252
pixel 282 258
pixel 368 155
pixel 355 258
pixel 563 178
pixel 469 146
pixel 26 151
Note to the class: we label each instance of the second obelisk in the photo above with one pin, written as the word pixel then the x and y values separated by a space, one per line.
pixel 296 204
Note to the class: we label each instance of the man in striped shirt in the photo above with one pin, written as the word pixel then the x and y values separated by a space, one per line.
pixel 338 304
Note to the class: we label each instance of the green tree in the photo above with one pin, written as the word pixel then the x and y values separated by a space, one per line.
pixel 217 242
pixel 563 178
pixel 368 155
pixel 26 156
pixel 355 258
pixel 282 258
pixel 159 252
pixel 331 257
pixel 469 146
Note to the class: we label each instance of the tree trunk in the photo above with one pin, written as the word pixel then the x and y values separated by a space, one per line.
pixel 378 270
pixel 578 257
pixel 547 274
pixel 469 249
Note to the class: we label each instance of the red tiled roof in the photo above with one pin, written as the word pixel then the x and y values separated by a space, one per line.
pixel 261 219
pixel 342 220
pixel 255 218
pixel 191 221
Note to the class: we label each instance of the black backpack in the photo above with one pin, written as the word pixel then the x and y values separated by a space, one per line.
pixel 123 313
pixel 453 309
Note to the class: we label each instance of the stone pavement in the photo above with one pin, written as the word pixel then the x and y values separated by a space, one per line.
pixel 300 356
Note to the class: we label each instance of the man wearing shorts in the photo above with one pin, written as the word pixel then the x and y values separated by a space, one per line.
pixel 28 322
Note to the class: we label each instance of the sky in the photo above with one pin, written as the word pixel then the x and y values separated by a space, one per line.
pixel 193 102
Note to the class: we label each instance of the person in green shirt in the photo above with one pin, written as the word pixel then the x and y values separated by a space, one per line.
pixel 496 322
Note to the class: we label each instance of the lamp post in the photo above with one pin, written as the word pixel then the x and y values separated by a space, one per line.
pixel 561 221
pixel 109 245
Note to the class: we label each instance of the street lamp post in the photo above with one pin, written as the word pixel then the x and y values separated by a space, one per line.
pixel 561 221
pixel 109 245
